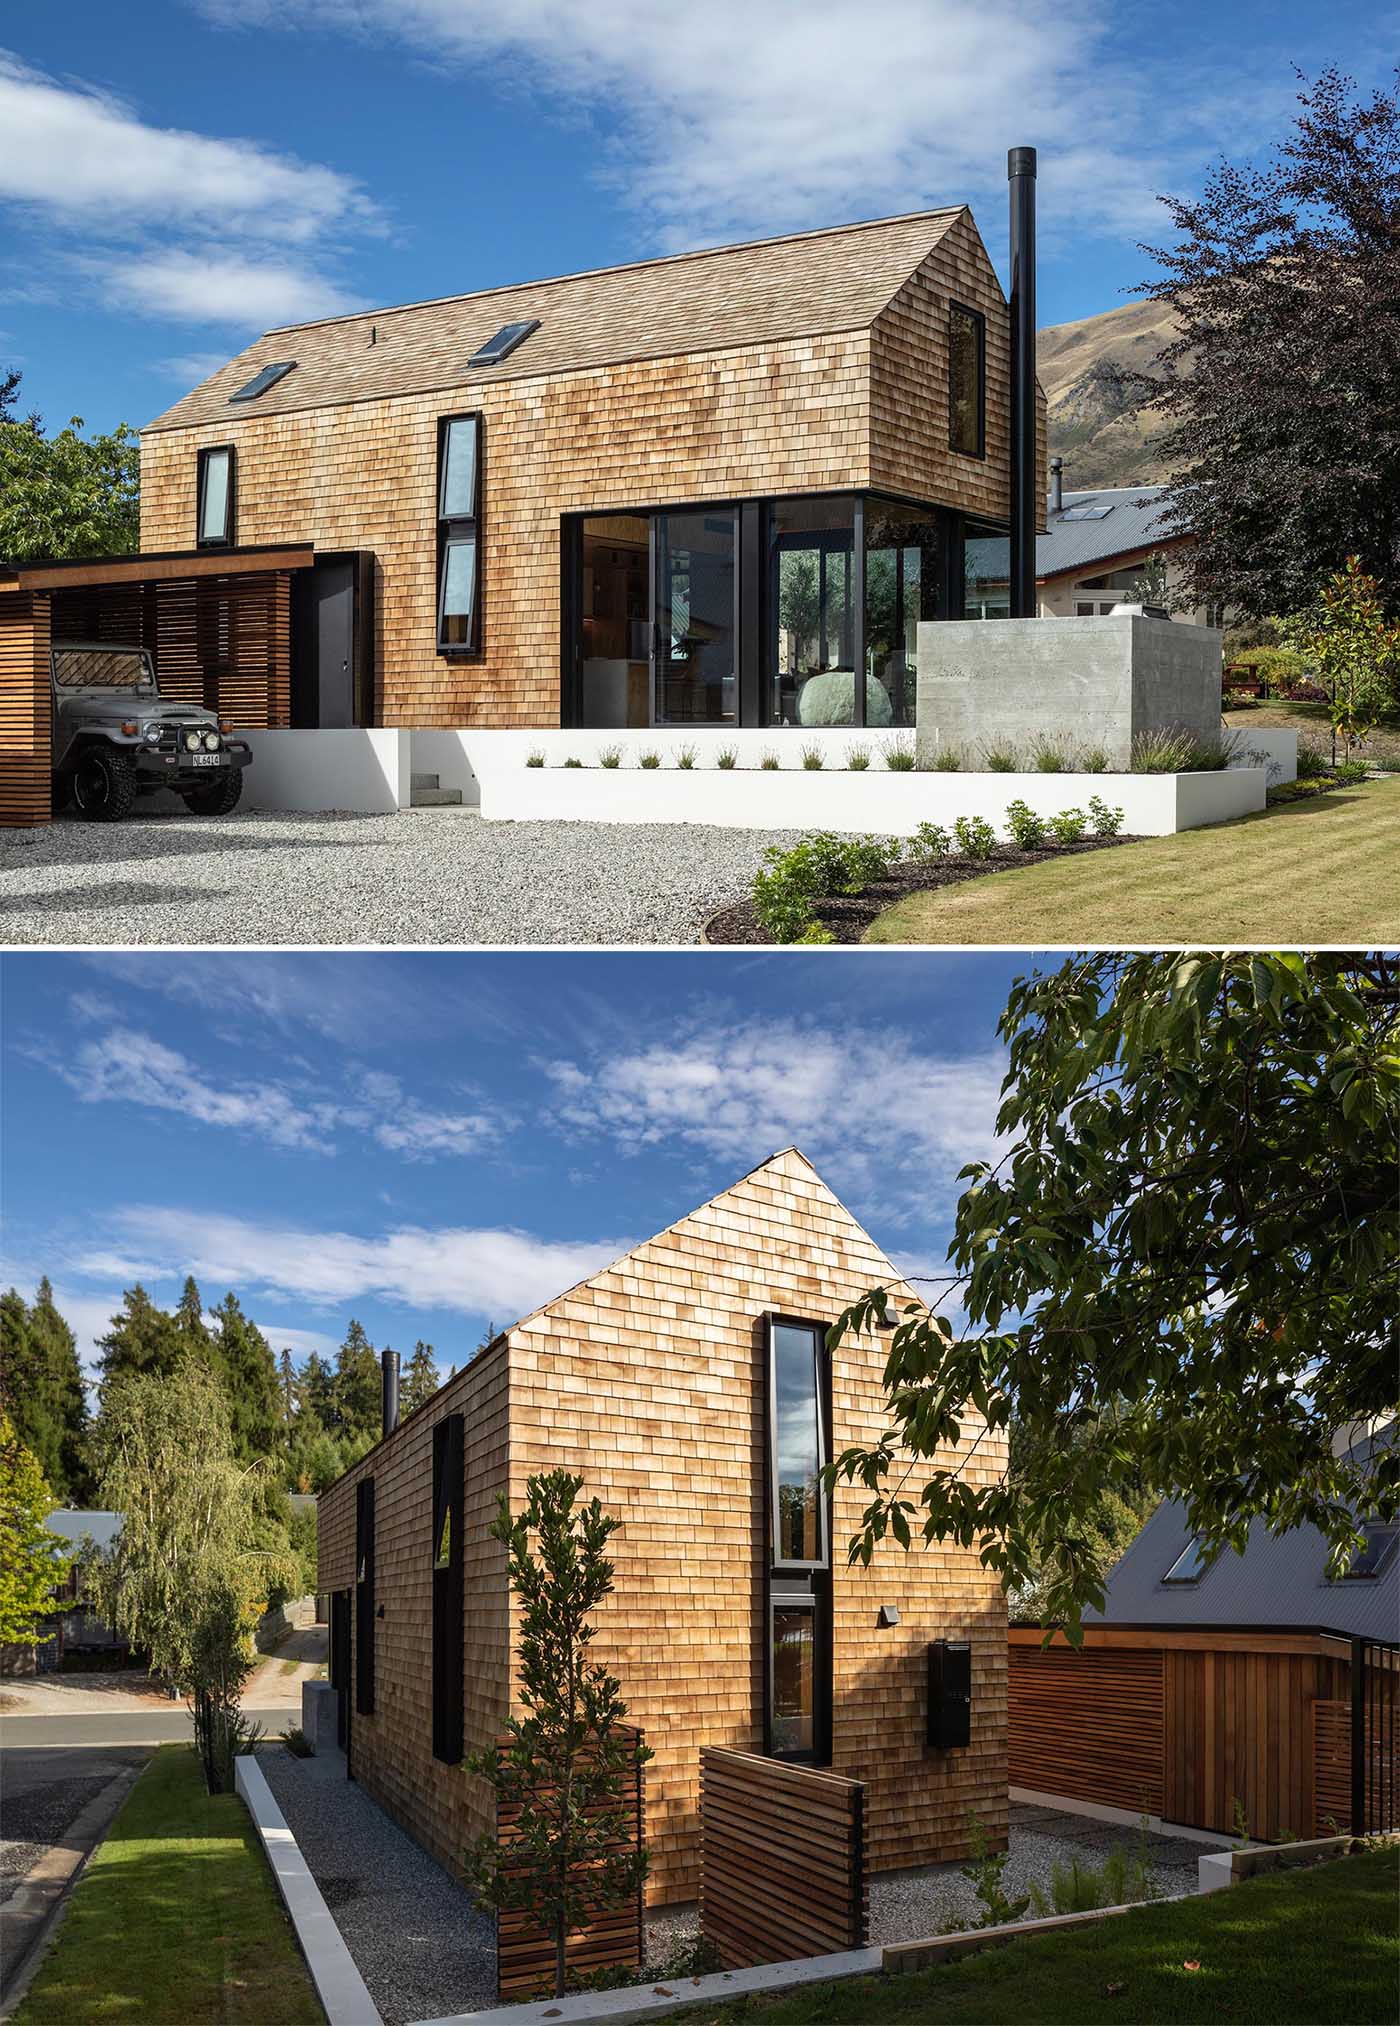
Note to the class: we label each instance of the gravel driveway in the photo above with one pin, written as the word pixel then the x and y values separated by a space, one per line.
pixel 423 876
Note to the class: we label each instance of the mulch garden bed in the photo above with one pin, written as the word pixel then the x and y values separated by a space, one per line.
pixel 848 916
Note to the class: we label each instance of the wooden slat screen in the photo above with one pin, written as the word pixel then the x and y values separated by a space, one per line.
pixel 25 710
pixel 1239 1732
pixel 1088 1724
pixel 1331 1741
pixel 782 1859
pixel 612 1939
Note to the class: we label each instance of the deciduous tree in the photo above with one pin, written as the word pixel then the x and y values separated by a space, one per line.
pixel 32 1560
pixel 68 495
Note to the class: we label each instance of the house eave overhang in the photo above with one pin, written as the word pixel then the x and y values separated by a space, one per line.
pixel 157 567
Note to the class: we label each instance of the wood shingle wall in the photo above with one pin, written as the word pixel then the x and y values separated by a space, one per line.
pixel 649 1379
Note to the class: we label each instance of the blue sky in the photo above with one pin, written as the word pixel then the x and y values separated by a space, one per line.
pixel 428 1141
pixel 178 175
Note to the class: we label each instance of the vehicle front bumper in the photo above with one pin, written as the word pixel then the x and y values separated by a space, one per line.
pixel 175 769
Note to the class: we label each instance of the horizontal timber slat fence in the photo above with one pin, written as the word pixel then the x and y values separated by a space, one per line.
pixel 612 1939
pixel 783 1865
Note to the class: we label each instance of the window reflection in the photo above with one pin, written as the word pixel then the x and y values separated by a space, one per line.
pixel 794 1678
pixel 986 573
pixel 811 548
pixel 697 592
pixel 797 1436
pixel 903 584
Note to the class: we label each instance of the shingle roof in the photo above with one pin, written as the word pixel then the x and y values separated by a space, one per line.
pixel 803 285
pixel 1135 519
pixel 1280 1579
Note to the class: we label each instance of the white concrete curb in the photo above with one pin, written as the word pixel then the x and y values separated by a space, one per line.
pixel 339 1985
pixel 654 2001
pixel 1227 1867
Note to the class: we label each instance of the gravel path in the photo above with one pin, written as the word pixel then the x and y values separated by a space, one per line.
pixel 423 876
pixel 417 1938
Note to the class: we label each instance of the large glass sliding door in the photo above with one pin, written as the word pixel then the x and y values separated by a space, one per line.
pixel 904 583
pixel 697 618
pixel 813 611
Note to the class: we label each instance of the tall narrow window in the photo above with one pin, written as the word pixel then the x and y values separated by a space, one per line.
pixel 215 497
pixel 797 1670
pixel 448 1657
pixel 459 554
pixel 364 1596
pixel 967 380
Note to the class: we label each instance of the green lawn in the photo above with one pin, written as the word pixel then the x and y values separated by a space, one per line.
pixel 1321 871
pixel 176 1920
pixel 1313 724
pixel 1298 1949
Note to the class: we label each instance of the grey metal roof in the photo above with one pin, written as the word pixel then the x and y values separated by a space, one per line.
pixel 1135 520
pixel 101 1528
pixel 1280 1579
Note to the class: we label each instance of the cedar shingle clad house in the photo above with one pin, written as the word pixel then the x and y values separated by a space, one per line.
pixel 673 492
pixel 689 1384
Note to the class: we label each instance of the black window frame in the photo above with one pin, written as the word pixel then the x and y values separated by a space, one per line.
pixel 1188 1581
pixel 806 1585
pixel 507 339
pixel 979 324
pixel 1387 1534
pixel 449 1649
pixel 454 528
pixel 228 539
pixel 364 1597
pixel 264 380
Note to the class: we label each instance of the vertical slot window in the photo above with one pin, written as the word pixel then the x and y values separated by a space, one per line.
pixel 793 1665
pixel 967 380
pixel 797 1656
pixel 215 497
pixel 364 1597
pixel 798 1446
pixel 449 1688
pixel 458 522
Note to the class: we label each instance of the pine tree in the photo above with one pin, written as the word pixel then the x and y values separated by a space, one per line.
pixel 189 1328
pixel 317 1393
pixel 32 1560
pixel 142 1338
pixel 243 1359
pixel 421 1379
pixel 55 1352
pixel 287 1387
pixel 356 1394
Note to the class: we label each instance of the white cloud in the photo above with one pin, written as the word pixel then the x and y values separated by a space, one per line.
pixel 403 1125
pixel 732 118
pixel 189 368
pixel 300 1342
pixel 495 1272
pixel 214 286
pixel 872 1111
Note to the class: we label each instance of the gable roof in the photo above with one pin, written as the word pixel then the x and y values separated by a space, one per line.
pixel 801 285
pixel 71 1524
pixel 1280 1579
pixel 1136 519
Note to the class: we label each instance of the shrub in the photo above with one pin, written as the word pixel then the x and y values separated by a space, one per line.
pixel 611 756
pixel 1092 760
pixel 1107 822
pixel 534 758
pixel 857 759
pixel 900 757
pixel 573 763
pixel 1123 1879
pixel 651 761
pixel 947 760
pixel 1312 762
pixel 1068 826
pixel 984 1875
pixel 685 758
pixel 999 756
pixel 974 837
pixel 769 763
pixel 929 843
pixel 1352 772
pixel 813 759
pixel 1049 755
pixel 727 757
pixel 816 932
pixel 1210 756
pixel 1239 700
pixel 814 868
pixel 1162 751
pixel 297 1742
pixel 1026 828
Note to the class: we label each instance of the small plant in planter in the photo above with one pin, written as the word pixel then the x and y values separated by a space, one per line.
pixel 1107 822
pixel 857 759
pixel 974 837
pixel 1069 826
pixel 1092 760
pixel 534 758
pixel 947 760
pixel 611 756
pixel 813 759
pixel 685 758
pixel 727 758
pixel 651 761
pixel 1026 829
pixel 769 763
pixel 999 756
pixel 1049 756
pixel 573 763
pixel 900 757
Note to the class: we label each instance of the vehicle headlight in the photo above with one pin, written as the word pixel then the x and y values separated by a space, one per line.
pixel 193 741
pixel 211 742
pixel 153 735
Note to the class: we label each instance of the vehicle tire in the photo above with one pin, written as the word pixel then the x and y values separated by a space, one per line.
pixel 220 798
pixel 104 785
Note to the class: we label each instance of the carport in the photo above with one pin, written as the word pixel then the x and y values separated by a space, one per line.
pixel 218 628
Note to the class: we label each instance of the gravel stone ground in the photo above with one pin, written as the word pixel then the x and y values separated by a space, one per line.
pixel 438 876
pixel 418 1939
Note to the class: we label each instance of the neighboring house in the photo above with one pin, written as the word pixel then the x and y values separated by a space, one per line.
pixel 77 1636
pixel 689 1385
pixel 1202 1688
pixel 1090 557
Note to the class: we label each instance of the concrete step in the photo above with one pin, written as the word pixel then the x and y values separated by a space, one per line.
pixel 436 798
pixel 425 781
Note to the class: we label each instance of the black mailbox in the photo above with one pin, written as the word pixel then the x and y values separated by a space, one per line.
pixel 949 1693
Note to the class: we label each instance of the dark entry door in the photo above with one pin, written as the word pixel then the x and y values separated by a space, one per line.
pixel 330 673
pixel 340 1663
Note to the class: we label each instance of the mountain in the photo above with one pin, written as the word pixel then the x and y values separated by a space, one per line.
pixel 1101 437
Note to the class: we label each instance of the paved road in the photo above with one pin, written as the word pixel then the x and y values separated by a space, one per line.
pixel 119 1727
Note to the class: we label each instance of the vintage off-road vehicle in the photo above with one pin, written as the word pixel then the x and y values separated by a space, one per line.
pixel 116 737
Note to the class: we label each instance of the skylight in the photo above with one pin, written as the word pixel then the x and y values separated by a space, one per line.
pixel 267 377
pixel 1373 1555
pixel 1086 510
pixel 1189 1565
pixel 503 344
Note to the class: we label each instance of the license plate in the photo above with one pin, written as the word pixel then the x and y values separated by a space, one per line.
pixel 208 759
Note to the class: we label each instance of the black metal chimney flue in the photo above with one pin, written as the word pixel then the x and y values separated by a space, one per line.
pixel 1025 505
pixel 389 1374
pixel 1057 485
